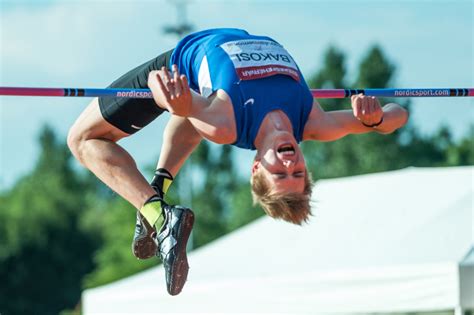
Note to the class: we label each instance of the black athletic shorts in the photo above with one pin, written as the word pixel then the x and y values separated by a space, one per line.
pixel 132 114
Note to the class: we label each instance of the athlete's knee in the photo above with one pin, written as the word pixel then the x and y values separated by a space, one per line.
pixel 88 127
pixel 78 132
pixel 75 142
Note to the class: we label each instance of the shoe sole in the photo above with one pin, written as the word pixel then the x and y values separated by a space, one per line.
pixel 180 268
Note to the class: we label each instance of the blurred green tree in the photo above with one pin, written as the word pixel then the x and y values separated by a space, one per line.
pixel 462 153
pixel 242 209
pixel 375 70
pixel 44 249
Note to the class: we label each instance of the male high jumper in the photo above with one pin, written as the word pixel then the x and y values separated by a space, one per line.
pixel 229 87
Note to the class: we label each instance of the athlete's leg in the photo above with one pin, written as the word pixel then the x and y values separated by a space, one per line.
pixel 92 140
pixel 93 137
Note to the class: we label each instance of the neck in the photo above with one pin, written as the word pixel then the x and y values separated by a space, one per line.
pixel 275 123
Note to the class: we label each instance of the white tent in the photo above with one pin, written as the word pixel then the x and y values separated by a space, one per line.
pixel 398 241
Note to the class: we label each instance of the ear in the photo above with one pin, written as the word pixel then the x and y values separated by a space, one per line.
pixel 255 166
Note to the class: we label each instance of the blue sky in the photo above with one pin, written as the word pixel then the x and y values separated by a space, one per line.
pixel 91 43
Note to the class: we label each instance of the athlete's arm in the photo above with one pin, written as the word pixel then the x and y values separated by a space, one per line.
pixel 211 117
pixel 333 125
pixel 179 141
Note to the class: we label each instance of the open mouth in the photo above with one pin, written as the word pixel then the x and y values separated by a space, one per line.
pixel 286 150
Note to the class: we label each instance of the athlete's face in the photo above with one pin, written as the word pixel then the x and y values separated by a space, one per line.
pixel 283 166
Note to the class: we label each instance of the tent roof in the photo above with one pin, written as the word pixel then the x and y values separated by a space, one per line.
pixel 395 227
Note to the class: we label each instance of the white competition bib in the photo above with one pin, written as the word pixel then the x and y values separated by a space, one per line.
pixel 255 59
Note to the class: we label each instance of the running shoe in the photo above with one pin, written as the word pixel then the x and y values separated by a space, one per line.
pixel 172 240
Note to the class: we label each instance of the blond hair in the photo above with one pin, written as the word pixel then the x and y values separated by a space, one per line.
pixel 292 207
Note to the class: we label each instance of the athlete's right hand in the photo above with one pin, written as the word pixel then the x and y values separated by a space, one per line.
pixel 171 91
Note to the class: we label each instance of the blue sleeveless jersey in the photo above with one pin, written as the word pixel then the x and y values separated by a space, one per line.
pixel 258 74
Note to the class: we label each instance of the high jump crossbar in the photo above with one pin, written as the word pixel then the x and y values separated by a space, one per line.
pixel 318 93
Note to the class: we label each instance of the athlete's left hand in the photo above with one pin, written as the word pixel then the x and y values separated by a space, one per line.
pixel 171 91
pixel 367 109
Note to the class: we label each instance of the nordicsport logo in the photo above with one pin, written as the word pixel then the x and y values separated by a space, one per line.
pixel 135 94
pixel 422 92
